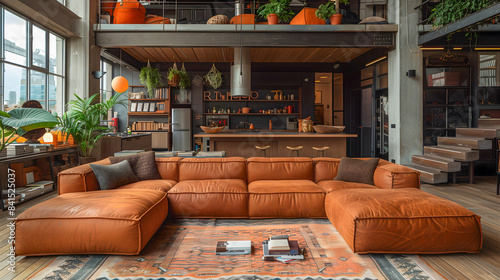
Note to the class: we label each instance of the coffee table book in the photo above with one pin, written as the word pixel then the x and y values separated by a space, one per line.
pixel 281 258
pixel 233 247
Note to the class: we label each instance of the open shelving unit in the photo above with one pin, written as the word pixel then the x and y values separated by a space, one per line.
pixel 161 116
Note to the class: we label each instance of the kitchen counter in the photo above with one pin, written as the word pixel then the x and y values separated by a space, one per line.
pixel 242 144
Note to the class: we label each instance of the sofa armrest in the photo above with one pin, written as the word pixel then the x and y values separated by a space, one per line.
pixel 394 176
pixel 79 179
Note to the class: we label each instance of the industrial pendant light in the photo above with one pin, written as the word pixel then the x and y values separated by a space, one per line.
pixel 120 84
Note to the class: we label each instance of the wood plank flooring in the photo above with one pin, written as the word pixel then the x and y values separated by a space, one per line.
pixel 480 198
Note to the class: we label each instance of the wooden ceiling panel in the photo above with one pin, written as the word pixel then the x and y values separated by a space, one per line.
pixel 167 54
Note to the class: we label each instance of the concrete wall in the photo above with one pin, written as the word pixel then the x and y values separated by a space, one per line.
pixel 405 94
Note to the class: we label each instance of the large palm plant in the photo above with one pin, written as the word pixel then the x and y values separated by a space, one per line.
pixel 83 120
pixel 18 121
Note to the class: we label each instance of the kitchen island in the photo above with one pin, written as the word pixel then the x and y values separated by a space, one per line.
pixel 242 144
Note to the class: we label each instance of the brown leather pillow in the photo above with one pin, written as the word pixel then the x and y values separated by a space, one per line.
pixel 143 165
pixel 357 170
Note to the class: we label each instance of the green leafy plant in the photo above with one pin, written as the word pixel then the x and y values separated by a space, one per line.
pixel 151 78
pixel 214 77
pixel 279 7
pixel 326 10
pixel 450 11
pixel 83 120
pixel 21 120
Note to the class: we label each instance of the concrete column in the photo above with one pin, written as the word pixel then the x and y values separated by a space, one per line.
pixel 83 56
pixel 405 94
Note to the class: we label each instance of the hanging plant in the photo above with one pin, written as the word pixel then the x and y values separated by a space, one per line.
pixel 214 77
pixel 184 79
pixel 173 76
pixel 151 78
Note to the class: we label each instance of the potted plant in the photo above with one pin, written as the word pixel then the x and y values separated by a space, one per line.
pixel 18 121
pixel 276 10
pixel 184 79
pixel 83 122
pixel 173 76
pixel 151 78
pixel 331 10
pixel 214 77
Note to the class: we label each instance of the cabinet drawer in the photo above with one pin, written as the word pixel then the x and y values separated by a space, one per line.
pixel 137 143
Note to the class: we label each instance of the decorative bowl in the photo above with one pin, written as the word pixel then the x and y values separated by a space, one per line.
pixel 212 129
pixel 328 129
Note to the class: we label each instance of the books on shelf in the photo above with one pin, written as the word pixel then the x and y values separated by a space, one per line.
pixel 233 247
pixel 279 244
pixel 162 93
pixel 149 125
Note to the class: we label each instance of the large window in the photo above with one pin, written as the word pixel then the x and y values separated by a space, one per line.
pixel 32 64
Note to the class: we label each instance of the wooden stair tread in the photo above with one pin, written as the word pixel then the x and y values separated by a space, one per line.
pixel 464 142
pixel 457 153
pixel 437 162
pixel 487 133
pixel 430 175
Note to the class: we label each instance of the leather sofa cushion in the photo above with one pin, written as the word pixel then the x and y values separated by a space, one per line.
pixel 387 175
pixel 105 222
pixel 159 185
pixel 280 169
pixel 357 170
pixel 212 168
pixel 284 186
pixel 79 178
pixel 407 221
pixel 169 168
pixel 210 186
pixel 333 185
pixel 394 176
pixel 226 198
pixel 285 199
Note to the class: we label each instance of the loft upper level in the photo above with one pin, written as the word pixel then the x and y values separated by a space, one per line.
pixel 178 23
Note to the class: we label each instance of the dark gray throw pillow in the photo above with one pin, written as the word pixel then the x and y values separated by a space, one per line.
pixel 143 164
pixel 114 175
pixel 357 170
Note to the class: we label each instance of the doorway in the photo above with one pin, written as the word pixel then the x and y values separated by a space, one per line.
pixel 329 99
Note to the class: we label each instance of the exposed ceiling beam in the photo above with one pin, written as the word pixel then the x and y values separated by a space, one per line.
pixel 50 13
pixel 467 21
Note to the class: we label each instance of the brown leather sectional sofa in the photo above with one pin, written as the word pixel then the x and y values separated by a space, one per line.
pixel 391 216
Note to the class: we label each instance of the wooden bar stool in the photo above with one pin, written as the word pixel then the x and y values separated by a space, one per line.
pixel 321 151
pixel 295 149
pixel 262 150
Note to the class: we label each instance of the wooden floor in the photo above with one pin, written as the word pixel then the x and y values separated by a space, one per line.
pixel 480 198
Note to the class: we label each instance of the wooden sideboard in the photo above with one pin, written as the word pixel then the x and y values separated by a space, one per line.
pixel 109 145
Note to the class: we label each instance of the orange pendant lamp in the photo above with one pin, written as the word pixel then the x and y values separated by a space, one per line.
pixel 119 83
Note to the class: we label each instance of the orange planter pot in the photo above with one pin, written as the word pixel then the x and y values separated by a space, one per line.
pixel 336 19
pixel 129 12
pixel 272 19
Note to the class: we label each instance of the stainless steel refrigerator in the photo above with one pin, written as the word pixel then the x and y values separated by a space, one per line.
pixel 181 129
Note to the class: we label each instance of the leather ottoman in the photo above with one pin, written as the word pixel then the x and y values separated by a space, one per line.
pixel 117 222
pixel 408 221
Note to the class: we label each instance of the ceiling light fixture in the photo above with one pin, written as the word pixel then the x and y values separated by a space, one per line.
pixel 487 49
pixel 317 81
pixel 457 49
pixel 323 77
pixel 120 84
pixel 336 65
pixel 375 61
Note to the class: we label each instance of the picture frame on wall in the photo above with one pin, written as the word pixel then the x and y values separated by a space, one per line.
pixel 318 97
pixel 133 107
pixel 152 107
pixel 146 107
pixel 139 106
pixel 161 107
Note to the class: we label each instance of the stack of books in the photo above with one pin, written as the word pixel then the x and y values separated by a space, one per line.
pixel 40 148
pixel 233 247
pixel 280 248
pixel 34 189
pixel 16 149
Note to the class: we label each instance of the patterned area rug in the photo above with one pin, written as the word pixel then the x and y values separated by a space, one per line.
pixel 184 249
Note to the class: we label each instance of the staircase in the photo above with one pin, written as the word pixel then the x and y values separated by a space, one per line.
pixel 447 157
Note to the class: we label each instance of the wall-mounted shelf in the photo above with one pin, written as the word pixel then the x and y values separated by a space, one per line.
pixel 255 100
pixel 147 114
pixel 148 99
pixel 253 114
